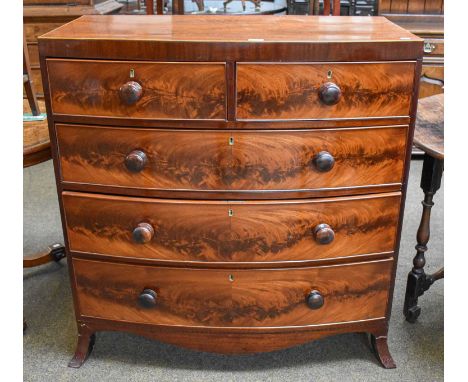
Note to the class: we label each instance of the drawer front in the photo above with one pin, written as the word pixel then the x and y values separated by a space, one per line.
pixel 297 91
pixel 221 231
pixel 152 90
pixel 231 160
pixel 232 298
pixel 433 47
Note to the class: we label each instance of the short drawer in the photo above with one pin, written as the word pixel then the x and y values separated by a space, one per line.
pixel 234 161
pixel 323 91
pixel 152 90
pixel 232 298
pixel 231 232
pixel 433 47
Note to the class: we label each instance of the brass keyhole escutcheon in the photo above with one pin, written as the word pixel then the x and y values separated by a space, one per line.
pixel 132 73
pixel 329 74
pixel 231 278
pixel 230 212
pixel 231 141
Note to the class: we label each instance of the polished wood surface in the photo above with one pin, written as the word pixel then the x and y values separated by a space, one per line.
pixel 291 91
pixel 231 160
pixel 169 90
pixel 233 298
pixel 429 133
pixel 231 29
pixel 232 38
pixel 208 231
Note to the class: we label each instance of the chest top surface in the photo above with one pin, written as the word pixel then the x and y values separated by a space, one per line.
pixel 235 38
pixel 232 29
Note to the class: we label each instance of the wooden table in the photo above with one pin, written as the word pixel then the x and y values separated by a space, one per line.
pixel 429 137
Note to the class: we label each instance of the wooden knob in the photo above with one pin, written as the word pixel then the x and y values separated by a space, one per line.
pixel 314 300
pixel 147 298
pixel 324 234
pixel 130 92
pixel 329 93
pixel 136 161
pixel 324 161
pixel 143 233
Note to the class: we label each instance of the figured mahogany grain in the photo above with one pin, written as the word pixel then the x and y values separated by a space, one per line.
pixel 196 160
pixel 233 298
pixel 291 91
pixel 203 231
pixel 170 90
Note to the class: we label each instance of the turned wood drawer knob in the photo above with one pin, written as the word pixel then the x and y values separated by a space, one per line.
pixel 143 233
pixel 136 161
pixel 323 234
pixel 130 92
pixel 324 161
pixel 314 300
pixel 147 298
pixel 329 93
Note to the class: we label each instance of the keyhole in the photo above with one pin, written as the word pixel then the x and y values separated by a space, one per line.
pixel 231 278
pixel 329 74
pixel 231 141
pixel 132 73
pixel 230 212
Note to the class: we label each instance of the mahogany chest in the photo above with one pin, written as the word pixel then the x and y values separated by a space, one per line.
pixel 231 184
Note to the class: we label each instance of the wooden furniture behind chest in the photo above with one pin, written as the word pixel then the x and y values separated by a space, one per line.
pixel 231 184
pixel 424 18
pixel 41 16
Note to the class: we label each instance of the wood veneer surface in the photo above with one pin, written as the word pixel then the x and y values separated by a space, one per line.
pixel 254 298
pixel 204 231
pixel 198 160
pixel 232 29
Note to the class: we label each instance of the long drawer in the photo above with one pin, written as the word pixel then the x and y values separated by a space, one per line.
pixel 154 90
pixel 240 161
pixel 232 298
pixel 324 91
pixel 220 231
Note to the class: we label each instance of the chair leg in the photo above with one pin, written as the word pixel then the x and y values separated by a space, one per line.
pixel 418 281
pixel 55 252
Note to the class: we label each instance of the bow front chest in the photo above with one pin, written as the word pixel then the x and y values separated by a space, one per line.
pixel 231 184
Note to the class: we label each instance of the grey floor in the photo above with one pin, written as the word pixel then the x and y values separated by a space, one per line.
pixel 50 338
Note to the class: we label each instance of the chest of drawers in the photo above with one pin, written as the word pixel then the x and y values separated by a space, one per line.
pixel 231 184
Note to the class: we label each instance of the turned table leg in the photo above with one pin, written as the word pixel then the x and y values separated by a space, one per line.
pixel 86 338
pixel 418 280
